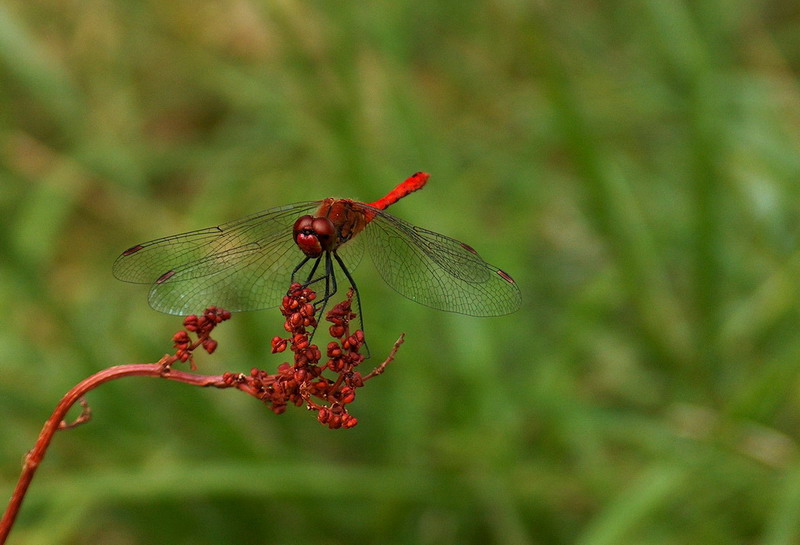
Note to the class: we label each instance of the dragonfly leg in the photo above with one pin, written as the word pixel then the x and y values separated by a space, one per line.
pixel 358 297
pixel 310 280
pixel 330 284
pixel 330 279
pixel 327 276
pixel 300 266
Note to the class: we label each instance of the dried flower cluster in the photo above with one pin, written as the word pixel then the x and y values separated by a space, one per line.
pixel 202 326
pixel 300 383
pixel 304 382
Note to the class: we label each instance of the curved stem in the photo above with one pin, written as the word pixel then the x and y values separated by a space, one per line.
pixel 35 456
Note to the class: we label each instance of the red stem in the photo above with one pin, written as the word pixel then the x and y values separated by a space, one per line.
pixel 35 456
pixel 161 369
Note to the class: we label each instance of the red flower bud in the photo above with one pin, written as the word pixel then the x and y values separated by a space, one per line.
pixel 278 345
pixel 348 421
pixel 348 395
pixel 334 350
pixel 300 341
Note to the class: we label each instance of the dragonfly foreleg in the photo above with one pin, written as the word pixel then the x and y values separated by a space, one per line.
pixel 300 266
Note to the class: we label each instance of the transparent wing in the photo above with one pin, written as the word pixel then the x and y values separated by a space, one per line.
pixel 242 265
pixel 436 270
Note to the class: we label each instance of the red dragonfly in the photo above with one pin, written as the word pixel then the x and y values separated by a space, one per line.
pixel 248 264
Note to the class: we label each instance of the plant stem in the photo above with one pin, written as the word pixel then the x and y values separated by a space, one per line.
pixel 35 456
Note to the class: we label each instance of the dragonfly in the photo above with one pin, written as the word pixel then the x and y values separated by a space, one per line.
pixel 249 263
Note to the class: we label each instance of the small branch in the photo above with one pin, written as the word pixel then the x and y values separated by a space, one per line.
pixel 389 359
pixel 85 416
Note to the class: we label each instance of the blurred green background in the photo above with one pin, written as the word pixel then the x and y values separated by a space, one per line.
pixel 634 165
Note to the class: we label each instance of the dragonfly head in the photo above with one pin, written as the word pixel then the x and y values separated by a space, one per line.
pixel 314 235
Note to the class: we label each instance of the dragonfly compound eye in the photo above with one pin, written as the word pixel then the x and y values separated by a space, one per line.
pixel 305 238
pixel 302 224
pixel 325 232
pixel 314 235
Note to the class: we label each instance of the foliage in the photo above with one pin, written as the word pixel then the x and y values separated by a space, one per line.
pixel 633 165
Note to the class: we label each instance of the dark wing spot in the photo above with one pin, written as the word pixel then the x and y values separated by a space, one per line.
pixel 468 248
pixel 505 276
pixel 133 249
pixel 166 276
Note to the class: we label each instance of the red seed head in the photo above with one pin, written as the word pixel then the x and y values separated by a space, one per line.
pixel 355 379
pixel 348 395
pixel 348 421
pixel 210 345
pixel 300 375
pixel 278 345
pixel 334 350
pixel 296 320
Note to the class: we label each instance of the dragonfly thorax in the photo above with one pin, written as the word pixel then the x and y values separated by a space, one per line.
pixel 336 222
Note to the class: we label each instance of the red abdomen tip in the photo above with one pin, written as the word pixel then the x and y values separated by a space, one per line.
pixel 414 182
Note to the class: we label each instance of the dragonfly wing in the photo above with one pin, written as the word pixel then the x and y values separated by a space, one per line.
pixel 352 252
pixel 438 271
pixel 241 265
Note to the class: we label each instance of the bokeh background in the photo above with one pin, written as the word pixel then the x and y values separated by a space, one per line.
pixel 634 164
